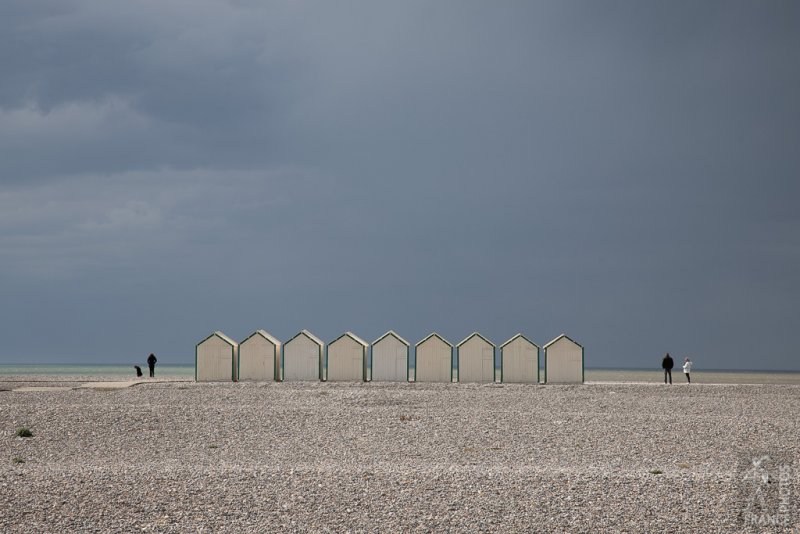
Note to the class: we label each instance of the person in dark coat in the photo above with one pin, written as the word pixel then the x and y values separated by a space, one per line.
pixel 151 363
pixel 138 370
pixel 667 364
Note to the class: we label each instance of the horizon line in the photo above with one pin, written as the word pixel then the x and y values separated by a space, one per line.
pixel 191 364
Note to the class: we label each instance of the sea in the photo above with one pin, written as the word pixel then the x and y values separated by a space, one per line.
pixel 123 371
pixel 713 376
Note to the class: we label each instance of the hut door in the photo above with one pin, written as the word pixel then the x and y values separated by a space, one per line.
pixel 400 364
pixel 312 364
pixel 530 365
pixel 447 367
pixel 576 365
pixel 356 364
pixel 487 364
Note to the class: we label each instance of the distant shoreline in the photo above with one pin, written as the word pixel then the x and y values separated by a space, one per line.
pixel 78 372
pixel 191 366
pixel 704 370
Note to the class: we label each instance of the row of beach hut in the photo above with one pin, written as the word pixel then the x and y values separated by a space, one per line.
pixel 261 357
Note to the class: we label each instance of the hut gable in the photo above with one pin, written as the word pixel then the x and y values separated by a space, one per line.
pixel 434 360
pixel 347 358
pixel 390 358
pixel 259 357
pixel 302 357
pixel 475 358
pixel 216 359
pixel 564 361
pixel 519 361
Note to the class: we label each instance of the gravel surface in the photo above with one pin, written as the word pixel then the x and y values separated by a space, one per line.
pixel 254 457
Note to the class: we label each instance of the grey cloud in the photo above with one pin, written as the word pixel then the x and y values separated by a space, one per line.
pixel 616 170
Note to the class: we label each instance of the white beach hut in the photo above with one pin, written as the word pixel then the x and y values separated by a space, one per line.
pixel 519 361
pixel 390 361
pixel 475 359
pixel 434 360
pixel 302 357
pixel 259 357
pixel 563 361
pixel 216 359
pixel 347 358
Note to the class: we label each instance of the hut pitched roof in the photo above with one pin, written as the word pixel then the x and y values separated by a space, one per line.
pixel 473 335
pixel 563 336
pixel 223 337
pixel 309 335
pixel 434 334
pixel 393 334
pixel 518 336
pixel 351 336
pixel 266 335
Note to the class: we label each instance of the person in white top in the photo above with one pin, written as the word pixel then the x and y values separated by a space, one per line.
pixel 687 368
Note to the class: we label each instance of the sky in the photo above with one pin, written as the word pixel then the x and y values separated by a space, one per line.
pixel 626 173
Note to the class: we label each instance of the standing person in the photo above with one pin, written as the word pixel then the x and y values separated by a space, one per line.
pixel 667 364
pixel 687 368
pixel 151 363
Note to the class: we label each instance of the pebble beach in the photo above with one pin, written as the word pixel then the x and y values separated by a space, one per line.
pixel 179 456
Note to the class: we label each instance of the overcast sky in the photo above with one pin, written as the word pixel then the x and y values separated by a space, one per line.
pixel 624 172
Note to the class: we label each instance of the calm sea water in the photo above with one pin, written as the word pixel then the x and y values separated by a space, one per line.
pixel 699 377
pixel 178 371
pixel 591 375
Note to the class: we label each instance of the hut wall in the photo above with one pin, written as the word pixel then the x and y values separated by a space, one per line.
pixel 564 362
pixel 475 361
pixel 434 361
pixel 346 360
pixel 301 359
pixel 216 361
pixel 520 362
pixel 257 359
pixel 390 360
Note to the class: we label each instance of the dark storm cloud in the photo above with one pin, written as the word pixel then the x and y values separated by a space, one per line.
pixel 140 86
pixel 619 171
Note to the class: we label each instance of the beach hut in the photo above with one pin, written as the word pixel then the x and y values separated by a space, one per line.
pixel 390 361
pixel 475 359
pixel 302 357
pixel 563 361
pixel 216 359
pixel 519 361
pixel 434 360
pixel 259 357
pixel 347 358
